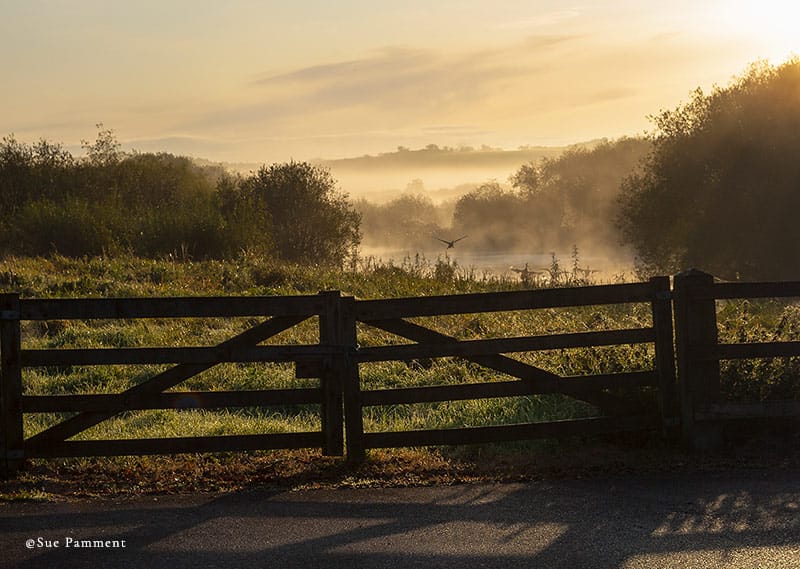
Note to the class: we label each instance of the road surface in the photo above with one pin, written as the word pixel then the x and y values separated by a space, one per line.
pixel 738 519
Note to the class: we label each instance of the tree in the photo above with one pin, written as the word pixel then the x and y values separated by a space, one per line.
pixel 490 215
pixel 721 188
pixel 570 198
pixel 408 221
pixel 311 220
pixel 105 150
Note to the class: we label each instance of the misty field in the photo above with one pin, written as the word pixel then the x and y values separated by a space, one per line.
pixel 131 276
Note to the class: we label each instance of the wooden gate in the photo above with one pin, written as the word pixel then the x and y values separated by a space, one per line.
pixel 281 314
pixel 392 316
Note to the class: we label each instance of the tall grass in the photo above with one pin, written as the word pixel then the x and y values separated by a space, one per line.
pixel 120 276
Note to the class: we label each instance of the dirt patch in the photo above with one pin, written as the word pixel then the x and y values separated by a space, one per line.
pixel 80 479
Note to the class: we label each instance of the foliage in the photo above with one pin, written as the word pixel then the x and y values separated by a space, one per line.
pixel 553 203
pixel 409 220
pixel 121 275
pixel 160 205
pixel 311 221
pixel 719 189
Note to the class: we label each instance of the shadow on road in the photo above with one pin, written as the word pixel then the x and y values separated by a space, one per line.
pixel 742 520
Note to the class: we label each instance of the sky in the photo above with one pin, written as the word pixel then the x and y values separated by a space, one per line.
pixel 269 81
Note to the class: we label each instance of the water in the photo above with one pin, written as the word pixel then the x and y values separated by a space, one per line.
pixel 502 263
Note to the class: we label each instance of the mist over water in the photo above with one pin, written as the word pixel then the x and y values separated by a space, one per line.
pixel 598 267
pixel 551 214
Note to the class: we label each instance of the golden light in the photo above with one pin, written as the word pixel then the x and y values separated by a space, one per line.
pixel 770 26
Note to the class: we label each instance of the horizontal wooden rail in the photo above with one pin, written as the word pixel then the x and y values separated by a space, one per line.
pixel 574 384
pixel 752 350
pixel 721 291
pixel 505 345
pixel 178 307
pixel 170 400
pixel 175 445
pixel 334 359
pixel 186 355
pixel 731 410
pixel 503 301
pixel 504 433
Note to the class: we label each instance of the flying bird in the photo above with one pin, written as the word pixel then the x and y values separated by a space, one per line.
pixel 451 244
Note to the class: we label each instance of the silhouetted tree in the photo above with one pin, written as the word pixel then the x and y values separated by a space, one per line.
pixel 721 187
pixel 406 221
pixel 311 220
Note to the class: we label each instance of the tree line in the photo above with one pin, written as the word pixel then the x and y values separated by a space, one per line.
pixel 159 204
pixel 547 205
pixel 715 185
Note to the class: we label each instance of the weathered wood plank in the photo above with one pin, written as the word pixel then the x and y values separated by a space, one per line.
pixel 753 350
pixel 497 362
pixel 171 400
pixel 665 351
pixel 731 410
pixel 571 384
pixel 539 378
pixel 308 368
pixel 177 355
pixel 503 433
pixel 695 340
pixel 140 393
pixel 506 345
pixel 11 425
pixel 225 443
pixel 502 301
pixel 330 333
pixel 177 307
pixel 750 290
pixel 351 383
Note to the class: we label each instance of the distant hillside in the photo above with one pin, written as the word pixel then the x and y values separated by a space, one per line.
pixel 442 172
pixel 435 170
pixel 433 156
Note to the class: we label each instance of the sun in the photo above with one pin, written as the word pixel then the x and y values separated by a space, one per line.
pixel 771 26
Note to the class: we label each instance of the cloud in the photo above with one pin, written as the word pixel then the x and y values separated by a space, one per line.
pixel 543 20
pixel 541 87
pixel 416 81
pixel 388 88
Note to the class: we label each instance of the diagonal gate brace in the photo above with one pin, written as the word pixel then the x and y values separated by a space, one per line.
pixel 158 383
pixel 536 377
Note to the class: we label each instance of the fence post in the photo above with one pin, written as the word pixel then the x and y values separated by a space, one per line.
pixel 354 421
pixel 330 334
pixel 11 437
pixel 665 353
pixel 696 340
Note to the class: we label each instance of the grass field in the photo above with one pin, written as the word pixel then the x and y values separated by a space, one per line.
pixel 129 276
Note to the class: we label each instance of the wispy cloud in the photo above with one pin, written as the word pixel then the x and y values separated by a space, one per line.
pixel 394 86
pixel 416 81
pixel 543 20
pixel 539 87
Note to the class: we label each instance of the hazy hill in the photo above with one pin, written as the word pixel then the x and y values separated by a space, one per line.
pixel 441 172
pixel 437 171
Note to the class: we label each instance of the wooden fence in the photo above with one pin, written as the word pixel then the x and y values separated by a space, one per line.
pixel 392 316
pixel 282 312
pixel 703 406
pixel 691 402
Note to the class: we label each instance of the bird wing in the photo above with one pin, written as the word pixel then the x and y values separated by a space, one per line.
pixel 460 238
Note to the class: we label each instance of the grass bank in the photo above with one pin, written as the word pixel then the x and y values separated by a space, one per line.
pixel 248 275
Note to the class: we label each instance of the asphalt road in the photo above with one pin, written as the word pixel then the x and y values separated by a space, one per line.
pixel 737 519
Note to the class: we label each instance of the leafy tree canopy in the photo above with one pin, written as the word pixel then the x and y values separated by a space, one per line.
pixel 312 221
pixel 721 188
